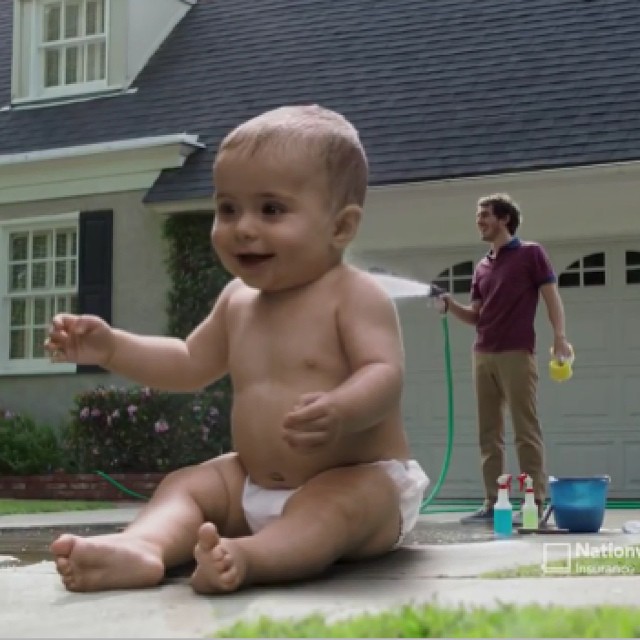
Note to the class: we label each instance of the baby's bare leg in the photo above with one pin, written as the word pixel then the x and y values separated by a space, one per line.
pixel 163 534
pixel 350 512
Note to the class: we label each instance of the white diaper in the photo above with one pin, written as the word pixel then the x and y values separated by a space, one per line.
pixel 261 506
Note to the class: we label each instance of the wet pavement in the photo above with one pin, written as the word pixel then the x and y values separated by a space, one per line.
pixel 443 562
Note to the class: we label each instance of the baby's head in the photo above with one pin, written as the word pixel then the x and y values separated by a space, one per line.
pixel 290 186
pixel 324 141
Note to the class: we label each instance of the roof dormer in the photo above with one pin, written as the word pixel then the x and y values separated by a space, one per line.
pixel 64 49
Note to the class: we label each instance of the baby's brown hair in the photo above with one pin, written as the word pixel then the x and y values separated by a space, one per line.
pixel 319 132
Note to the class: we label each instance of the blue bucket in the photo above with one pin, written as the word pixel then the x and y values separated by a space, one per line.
pixel 579 503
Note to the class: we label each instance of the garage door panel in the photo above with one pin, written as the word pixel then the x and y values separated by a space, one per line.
pixel 631 398
pixel 597 456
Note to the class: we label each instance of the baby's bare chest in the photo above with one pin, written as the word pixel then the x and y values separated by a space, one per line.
pixel 292 338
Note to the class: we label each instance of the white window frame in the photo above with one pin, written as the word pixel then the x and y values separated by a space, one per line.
pixel 32 365
pixel 29 57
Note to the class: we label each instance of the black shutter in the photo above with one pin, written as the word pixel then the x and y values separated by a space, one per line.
pixel 95 267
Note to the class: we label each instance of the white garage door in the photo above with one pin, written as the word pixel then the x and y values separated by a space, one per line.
pixel 591 423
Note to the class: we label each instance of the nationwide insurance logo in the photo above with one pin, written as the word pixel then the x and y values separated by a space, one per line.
pixel 585 558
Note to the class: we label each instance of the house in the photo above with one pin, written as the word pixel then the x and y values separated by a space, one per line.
pixel 110 112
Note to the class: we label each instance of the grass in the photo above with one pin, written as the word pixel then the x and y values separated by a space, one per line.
pixel 428 621
pixel 626 565
pixel 11 507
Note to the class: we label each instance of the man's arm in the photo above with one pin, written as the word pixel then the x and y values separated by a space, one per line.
pixel 555 311
pixel 467 313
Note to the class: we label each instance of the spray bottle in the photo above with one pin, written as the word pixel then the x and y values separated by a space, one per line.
pixel 503 509
pixel 529 506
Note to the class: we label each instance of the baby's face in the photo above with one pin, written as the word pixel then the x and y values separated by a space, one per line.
pixel 273 227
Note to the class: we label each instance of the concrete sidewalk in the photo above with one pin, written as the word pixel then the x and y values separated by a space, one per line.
pixel 34 604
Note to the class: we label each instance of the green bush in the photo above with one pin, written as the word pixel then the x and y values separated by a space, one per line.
pixel 27 448
pixel 138 429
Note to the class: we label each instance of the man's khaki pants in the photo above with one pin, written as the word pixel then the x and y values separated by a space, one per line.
pixel 509 377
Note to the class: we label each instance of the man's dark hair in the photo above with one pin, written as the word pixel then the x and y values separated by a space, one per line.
pixel 503 207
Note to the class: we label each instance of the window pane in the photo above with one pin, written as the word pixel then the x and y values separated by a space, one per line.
pixel 61 244
pixel 39 275
pixel 95 17
pixel 96 61
pixel 74 244
pixel 463 269
pixel 40 311
pixel 72 20
pixel 52 68
pixel 18 246
pixel 74 306
pixel 17 348
pixel 574 266
pixel 462 286
pixel 18 313
pixel 37 343
pixel 61 304
pixel 632 258
pixel 593 278
pixel 594 260
pixel 443 284
pixel 72 268
pixel 633 276
pixel 569 280
pixel 40 246
pixel 73 65
pixel 52 17
pixel 444 274
pixel 18 277
pixel 61 274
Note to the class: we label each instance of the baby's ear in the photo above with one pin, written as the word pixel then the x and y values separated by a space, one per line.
pixel 346 225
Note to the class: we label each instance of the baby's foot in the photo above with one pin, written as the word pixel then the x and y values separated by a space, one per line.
pixel 106 562
pixel 222 565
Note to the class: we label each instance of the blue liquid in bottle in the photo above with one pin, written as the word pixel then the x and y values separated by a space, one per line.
pixel 503 522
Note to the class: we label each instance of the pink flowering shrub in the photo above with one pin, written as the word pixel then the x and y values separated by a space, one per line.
pixel 141 430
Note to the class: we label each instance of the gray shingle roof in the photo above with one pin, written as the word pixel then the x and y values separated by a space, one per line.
pixel 438 88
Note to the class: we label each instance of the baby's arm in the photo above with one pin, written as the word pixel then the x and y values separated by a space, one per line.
pixel 160 362
pixel 370 333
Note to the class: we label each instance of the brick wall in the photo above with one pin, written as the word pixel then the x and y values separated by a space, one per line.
pixel 84 486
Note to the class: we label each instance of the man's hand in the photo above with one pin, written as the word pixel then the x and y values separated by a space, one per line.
pixel 314 422
pixel 562 350
pixel 441 302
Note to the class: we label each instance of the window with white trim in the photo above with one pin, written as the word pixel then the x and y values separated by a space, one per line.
pixel 39 278
pixel 65 48
pixel 588 271
pixel 72 42
pixel 632 266
pixel 456 279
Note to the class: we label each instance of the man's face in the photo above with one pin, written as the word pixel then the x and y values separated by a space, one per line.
pixel 272 228
pixel 490 227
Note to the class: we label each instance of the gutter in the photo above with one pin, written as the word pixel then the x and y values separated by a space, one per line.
pixel 188 145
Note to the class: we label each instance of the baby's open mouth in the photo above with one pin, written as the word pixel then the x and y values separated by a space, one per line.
pixel 251 259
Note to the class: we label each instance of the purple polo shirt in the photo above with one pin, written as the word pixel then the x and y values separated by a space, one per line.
pixel 507 286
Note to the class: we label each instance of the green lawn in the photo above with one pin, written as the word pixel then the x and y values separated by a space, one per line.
pixel 436 622
pixel 10 507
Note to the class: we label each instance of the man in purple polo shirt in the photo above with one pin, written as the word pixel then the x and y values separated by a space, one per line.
pixel 506 286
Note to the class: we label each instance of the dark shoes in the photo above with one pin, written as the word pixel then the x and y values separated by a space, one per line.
pixel 484 515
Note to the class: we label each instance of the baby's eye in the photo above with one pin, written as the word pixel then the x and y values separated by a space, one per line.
pixel 272 209
pixel 225 209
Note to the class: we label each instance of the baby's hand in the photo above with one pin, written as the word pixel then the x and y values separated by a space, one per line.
pixel 313 422
pixel 81 339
